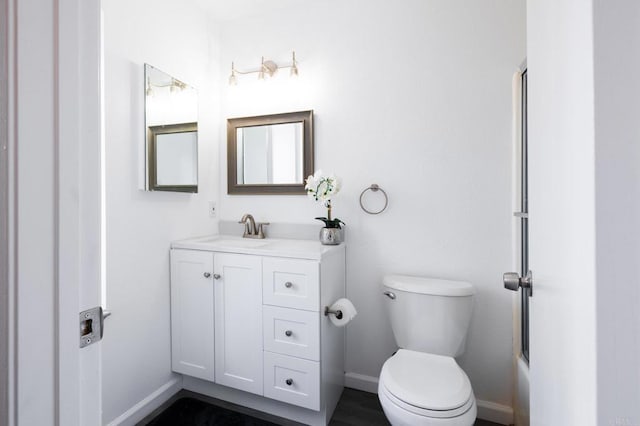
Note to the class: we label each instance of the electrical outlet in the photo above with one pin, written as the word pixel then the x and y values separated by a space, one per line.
pixel 212 209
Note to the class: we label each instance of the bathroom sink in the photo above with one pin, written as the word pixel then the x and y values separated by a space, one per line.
pixel 281 247
pixel 236 243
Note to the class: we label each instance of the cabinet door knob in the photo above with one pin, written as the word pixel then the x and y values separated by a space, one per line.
pixel 288 333
pixel 289 382
pixel 207 274
pixel 217 276
pixel 288 284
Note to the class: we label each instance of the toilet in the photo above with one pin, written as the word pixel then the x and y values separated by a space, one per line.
pixel 422 384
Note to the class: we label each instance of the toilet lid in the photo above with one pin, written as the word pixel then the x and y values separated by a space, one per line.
pixel 428 381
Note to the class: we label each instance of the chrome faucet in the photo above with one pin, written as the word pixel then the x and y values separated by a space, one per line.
pixel 251 229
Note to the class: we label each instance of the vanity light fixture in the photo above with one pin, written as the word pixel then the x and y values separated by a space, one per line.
pixel 174 86
pixel 267 68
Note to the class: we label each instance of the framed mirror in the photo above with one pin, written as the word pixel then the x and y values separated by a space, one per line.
pixel 269 154
pixel 171 115
pixel 173 154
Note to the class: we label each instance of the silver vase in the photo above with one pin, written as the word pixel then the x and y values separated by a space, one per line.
pixel 331 236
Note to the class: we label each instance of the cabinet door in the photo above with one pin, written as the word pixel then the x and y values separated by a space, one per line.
pixel 238 321
pixel 192 343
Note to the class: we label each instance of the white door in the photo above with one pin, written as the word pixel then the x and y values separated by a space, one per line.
pixel 238 321
pixel 521 249
pixel 562 214
pixel 192 313
pixel 55 221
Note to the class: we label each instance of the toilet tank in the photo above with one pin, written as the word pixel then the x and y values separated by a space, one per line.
pixel 429 315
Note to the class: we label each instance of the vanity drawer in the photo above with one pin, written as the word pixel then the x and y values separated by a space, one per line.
pixel 292 380
pixel 291 283
pixel 291 332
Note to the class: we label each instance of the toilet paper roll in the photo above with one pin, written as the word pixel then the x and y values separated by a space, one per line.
pixel 348 312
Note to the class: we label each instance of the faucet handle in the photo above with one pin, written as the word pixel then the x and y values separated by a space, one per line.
pixel 260 226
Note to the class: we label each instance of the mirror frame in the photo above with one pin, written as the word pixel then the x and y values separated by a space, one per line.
pixel 306 117
pixel 153 132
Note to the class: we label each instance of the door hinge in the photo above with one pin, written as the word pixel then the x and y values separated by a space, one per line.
pixel 92 325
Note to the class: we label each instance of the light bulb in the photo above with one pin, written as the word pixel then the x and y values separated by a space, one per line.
pixel 149 91
pixel 233 80
pixel 261 73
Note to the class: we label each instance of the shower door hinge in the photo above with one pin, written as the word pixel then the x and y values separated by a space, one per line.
pixel 92 325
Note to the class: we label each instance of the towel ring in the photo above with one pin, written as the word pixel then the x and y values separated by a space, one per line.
pixel 374 188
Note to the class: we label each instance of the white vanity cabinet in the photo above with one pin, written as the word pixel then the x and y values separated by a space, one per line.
pixel 262 310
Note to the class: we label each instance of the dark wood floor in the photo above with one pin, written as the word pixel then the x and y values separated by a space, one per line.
pixel 356 408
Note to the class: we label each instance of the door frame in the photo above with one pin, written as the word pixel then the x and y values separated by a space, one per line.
pixel 53 210
pixel 525 293
pixel 520 366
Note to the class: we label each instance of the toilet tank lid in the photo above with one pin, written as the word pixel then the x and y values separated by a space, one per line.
pixel 433 286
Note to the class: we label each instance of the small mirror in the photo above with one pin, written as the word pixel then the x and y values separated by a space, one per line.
pixel 171 115
pixel 270 154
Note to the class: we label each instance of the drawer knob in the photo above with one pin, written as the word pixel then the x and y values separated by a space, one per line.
pixel 289 382
pixel 207 274
pixel 288 284
pixel 288 333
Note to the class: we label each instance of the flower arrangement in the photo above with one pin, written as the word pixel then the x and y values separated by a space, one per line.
pixel 322 188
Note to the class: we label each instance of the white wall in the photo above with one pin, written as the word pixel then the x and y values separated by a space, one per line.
pixel 414 96
pixel 562 217
pixel 175 37
pixel 617 188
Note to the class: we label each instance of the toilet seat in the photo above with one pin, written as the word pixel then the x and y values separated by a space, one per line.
pixel 399 416
pixel 384 394
pixel 426 385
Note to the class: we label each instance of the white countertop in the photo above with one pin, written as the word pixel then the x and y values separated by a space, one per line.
pixel 299 249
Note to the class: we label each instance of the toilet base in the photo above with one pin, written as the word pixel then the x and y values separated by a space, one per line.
pixel 397 416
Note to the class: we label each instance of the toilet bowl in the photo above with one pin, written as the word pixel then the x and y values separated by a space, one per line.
pixel 421 384
pixel 421 389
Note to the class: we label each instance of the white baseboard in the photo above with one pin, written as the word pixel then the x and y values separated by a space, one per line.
pixel 487 410
pixel 145 407
pixel 493 412
pixel 361 382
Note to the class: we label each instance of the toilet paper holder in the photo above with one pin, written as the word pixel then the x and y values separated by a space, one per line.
pixel 337 312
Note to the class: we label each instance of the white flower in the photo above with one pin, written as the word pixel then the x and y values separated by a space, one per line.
pixel 322 188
